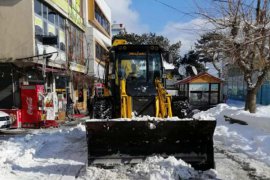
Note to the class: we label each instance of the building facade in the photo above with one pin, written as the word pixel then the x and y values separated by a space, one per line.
pixel 118 29
pixel 53 43
pixel 98 30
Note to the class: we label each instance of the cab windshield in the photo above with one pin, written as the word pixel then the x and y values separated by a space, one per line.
pixel 139 66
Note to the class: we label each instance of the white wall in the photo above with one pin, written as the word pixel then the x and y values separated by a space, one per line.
pixel 16 29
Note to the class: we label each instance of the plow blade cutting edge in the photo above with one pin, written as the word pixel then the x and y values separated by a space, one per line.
pixel 190 140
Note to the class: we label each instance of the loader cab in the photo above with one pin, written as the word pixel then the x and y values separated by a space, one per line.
pixel 139 66
pixel 137 63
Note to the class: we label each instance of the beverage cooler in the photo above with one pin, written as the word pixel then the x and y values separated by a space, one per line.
pixel 32 105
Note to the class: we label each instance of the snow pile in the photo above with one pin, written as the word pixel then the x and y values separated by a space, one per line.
pixel 167 65
pixel 211 114
pixel 45 154
pixel 156 168
pixel 62 154
pixel 169 168
pixel 252 139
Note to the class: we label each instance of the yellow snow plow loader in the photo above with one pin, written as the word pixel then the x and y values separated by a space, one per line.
pixel 137 118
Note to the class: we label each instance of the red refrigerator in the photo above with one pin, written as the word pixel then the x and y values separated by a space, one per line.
pixel 32 105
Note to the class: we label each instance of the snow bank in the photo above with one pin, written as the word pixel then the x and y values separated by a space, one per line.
pixel 45 154
pixel 62 154
pixel 153 168
pixel 252 140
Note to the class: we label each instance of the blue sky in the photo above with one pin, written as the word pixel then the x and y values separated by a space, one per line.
pixel 177 23
pixel 163 11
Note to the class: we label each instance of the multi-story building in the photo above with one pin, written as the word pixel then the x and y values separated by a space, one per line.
pixel 98 30
pixel 53 42
pixel 118 29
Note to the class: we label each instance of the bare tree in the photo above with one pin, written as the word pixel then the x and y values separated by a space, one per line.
pixel 245 26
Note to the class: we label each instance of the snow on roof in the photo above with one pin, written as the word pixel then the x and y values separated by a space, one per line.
pixel 191 78
pixel 168 66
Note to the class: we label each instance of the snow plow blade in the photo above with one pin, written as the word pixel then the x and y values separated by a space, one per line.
pixel 190 140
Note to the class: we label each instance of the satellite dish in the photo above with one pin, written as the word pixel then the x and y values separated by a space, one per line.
pixel 182 70
pixel 194 70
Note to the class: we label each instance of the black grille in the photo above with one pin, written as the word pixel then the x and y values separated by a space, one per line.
pixel 5 118
pixel 144 105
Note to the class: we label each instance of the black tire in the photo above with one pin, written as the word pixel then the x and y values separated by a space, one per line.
pixel 181 109
pixel 102 109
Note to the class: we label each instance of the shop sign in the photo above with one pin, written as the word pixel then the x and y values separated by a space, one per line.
pixel 75 17
pixel 73 11
pixel 77 67
pixel 63 4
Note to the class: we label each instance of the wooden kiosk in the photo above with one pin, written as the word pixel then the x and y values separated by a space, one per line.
pixel 202 91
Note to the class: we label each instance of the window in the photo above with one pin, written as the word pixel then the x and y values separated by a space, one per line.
pixel 49 22
pixel 38 30
pixel 100 17
pixel 75 45
pixel 57 20
pixel 57 34
pixel 199 87
pixel 199 98
pixel 38 8
pixel 100 52
pixel 51 16
pixel 45 12
pixel 133 65
pixel 45 25
pixel 61 22
pixel 154 63
pixel 133 68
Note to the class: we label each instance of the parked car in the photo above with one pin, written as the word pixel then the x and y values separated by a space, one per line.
pixel 5 120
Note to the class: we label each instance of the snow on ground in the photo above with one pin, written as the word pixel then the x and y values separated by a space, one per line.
pixel 250 141
pixel 62 153
pixel 44 154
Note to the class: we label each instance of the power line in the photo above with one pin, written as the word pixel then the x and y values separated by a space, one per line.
pixel 182 12
pixel 174 8
pixel 243 4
